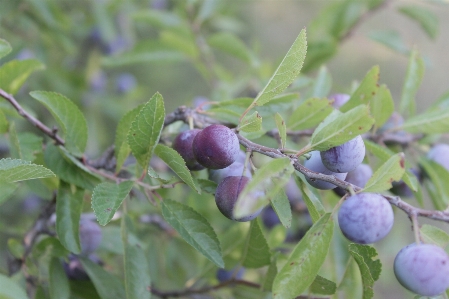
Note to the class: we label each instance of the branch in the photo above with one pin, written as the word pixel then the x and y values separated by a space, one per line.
pixel 52 133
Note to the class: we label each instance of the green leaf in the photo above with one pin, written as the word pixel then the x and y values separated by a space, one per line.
pixel 365 92
pixel 391 39
pixel 4 125
pixel 137 277
pixel 309 114
pixel 8 189
pixel 67 170
pixel 15 170
pixel 281 206
pixel 68 116
pixel 146 129
pixel 139 57
pixel 9 289
pixel 382 105
pixel 230 44
pixel 256 253
pixel 194 229
pixel 305 261
pixel 392 170
pixel 107 198
pixel 341 129
pixel 369 268
pixel 265 184
pixel 286 72
pixel 5 48
pixel 280 124
pixel 122 149
pixel 322 84
pixel 59 284
pixel 107 285
pixel 68 213
pixel 323 286
pixel 207 185
pixel 430 122
pixel 50 246
pixel 314 205
pixel 14 73
pixel 413 78
pixel 177 164
pixel 270 276
pixel 439 177
pixel 251 123
pixel 434 235
pixel 426 18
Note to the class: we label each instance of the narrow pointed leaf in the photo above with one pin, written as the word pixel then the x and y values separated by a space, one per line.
pixel 430 122
pixel 230 44
pixel 15 170
pixel 426 18
pixel 15 72
pixel 107 285
pixel 68 213
pixel 265 184
pixel 4 125
pixel 10 289
pixel 342 129
pixel 251 123
pixel 174 160
pixel 305 261
pixel 146 129
pixel 392 170
pixel 413 78
pixel 256 252
pixel 107 198
pixel 309 114
pixel 194 229
pixel 59 284
pixel 5 48
pixel 280 124
pixel 382 106
pixel 281 206
pixel 440 178
pixel 68 116
pixel 365 92
pixel 270 276
pixel 287 71
pixel 323 286
pixel 314 205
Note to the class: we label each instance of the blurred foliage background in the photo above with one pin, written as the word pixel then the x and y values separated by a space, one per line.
pixel 109 56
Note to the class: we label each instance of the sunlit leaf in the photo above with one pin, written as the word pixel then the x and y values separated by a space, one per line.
pixel 15 72
pixel 309 114
pixel 382 179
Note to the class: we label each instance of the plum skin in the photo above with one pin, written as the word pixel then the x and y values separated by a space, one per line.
pixel 225 275
pixel 90 236
pixel 345 157
pixel 339 99
pixel 183 145
pixel 235 169
pixel 315 164
pixel 359 177
pixel 365 218
pixel 226 196
pixel 216 147
pixel 439 153
pixel 422 269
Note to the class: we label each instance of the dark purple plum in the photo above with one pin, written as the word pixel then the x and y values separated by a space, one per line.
pixel 422 269
pixel 227 194
pixel 74 269
pixel 90 236
pixel 365 218
pixel 314 163
pixel 339 99
pixel 439 153
pixel 358 177
pixel 183 144
pixel 235 169
pixel 269 217
pixel 345 157
pixel 216 147
pixel 225 275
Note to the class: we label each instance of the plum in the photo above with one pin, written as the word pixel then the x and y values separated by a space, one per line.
pixel 401 189
pixel 339 99
pixel 216 147
pixel 227 194
pixel 439 153
pixel 314 163
pixel 365 218
pixel 293 192
pixel 90 236
pixel 75 270
pixel 235 169
pixel 345 157
pixel 225 275
pixel 358 177
pixel 269 217
pixel 183 144
pixel 422 269
pixel 125 83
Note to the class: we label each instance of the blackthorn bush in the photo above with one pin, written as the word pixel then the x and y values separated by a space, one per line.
pixel 183 144
pixel 345 157
pixel 365 218
pixel 314 163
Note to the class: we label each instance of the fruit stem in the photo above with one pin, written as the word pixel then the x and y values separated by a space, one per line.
pixel 351 191
pixel 247 160
pixel 414 218
pixel 191 126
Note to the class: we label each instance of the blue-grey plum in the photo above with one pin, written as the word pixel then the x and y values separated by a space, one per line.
pixel 235 169
pixel 339 99
pixel 225 275
pixel 365 218
pixel 269 217
pixel 358 177
pixel 439 153
pixel 314 163
pixel 227 193
pixel 345 157
pixel 422 269
pixel 293 192
pixel 183 144
pixel 216 147
pixel 90 236
pixel 125 83
pixel 394 121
